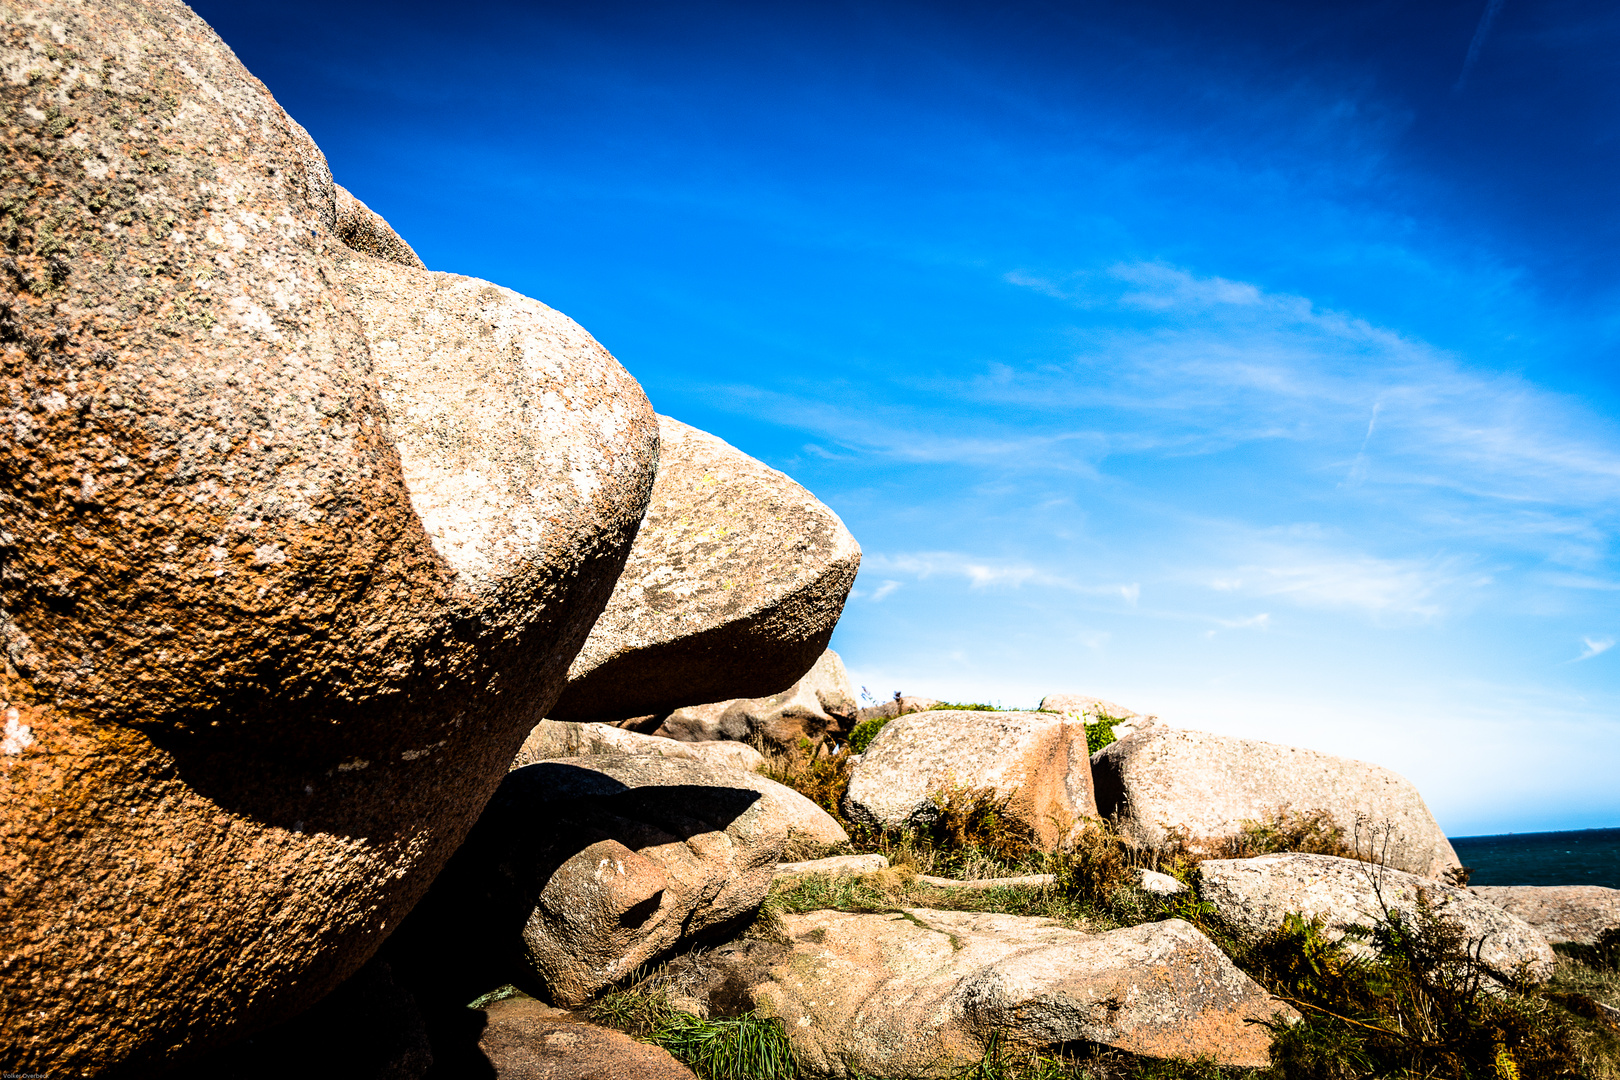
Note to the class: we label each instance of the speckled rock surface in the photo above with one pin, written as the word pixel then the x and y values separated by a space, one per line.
pixel 364 230
pixel 820 703
pixel 524 1039
pixel 1574 913
pixel 1209 785
pixel 553 739
pixel 1253 896
pixel 917 994
pixel 1038 759
pixel 732 589
pixel 250 705
pixel 591 867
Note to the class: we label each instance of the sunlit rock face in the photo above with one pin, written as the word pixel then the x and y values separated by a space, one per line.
pixel 732 589
pixel 297 546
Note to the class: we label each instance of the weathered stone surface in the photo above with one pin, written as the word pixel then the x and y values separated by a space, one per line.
pixel 900 706
pixel 553 739
pixel 253 695
pixel 701 723
pixel 822 702
pixel 524 1039
pixel 807 825
pixel 1578 914
pixel 1038 760
pixel 917 994
pixel 1254 895
pixel 732 588
pixel 1207 786
pixel 588 868
pixel 364 230
pixel 1092 708
pixel 1126 722
pixel 833 865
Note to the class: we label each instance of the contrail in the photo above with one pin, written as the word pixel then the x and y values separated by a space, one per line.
pixel 1492 7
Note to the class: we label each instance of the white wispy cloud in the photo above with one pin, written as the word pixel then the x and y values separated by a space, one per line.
pixel 982 573
pixel 1594 647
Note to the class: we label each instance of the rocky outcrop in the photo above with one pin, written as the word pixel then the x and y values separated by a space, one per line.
pixel 585 869
pixel 524 1039
pixel 1577 914
pixel 1253 896
pixel 271 641
pixel 916 994
pixel 1206 787
pixel 732 589
pixel 822 702
pixel 364 230
pixel 553 739
pixel 1037 761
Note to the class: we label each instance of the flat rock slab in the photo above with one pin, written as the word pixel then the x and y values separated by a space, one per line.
pixel 1578 914
pixel 553 739
pixel 732 589
pixel 524 1039
pixel 1255 895
pixel 1039 761
pixel 1206 787
pixel 917 994
pixel 836 865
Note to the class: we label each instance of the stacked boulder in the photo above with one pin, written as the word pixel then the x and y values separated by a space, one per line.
pixel 326 566
pixel 731 590
pixel 819 706
pixel 343 529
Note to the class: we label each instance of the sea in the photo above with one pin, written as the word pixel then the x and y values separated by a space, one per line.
pixel 1587 857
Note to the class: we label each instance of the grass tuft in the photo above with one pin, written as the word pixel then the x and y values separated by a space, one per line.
pixel 746 1047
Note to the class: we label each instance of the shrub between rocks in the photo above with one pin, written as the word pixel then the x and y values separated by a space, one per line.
pixel 1419 1007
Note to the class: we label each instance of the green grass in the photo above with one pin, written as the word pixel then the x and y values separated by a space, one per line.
pixel 746 1047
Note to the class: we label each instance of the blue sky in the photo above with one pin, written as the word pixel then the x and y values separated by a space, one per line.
pixel 1249 364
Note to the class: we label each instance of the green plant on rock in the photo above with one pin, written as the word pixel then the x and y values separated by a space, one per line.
pixel 865 732
pixel 1422 1005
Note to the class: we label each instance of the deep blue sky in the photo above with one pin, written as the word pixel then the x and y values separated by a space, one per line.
pixel 1250 364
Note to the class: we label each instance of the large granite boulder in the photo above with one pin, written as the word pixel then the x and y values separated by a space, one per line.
pixel 1253 896
pixel 553 739
pixel 822 702
pixel 582 871
pixel 918 994
pixel 732 588
pixel 1577 914
pixel 1037 761
pixel 269 644
pixel 1206 787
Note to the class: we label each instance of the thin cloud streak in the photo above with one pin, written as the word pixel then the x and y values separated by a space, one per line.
pixel 1594 647
pixel 983 573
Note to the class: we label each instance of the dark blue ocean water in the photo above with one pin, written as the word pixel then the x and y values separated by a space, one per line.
pixel 1588 857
